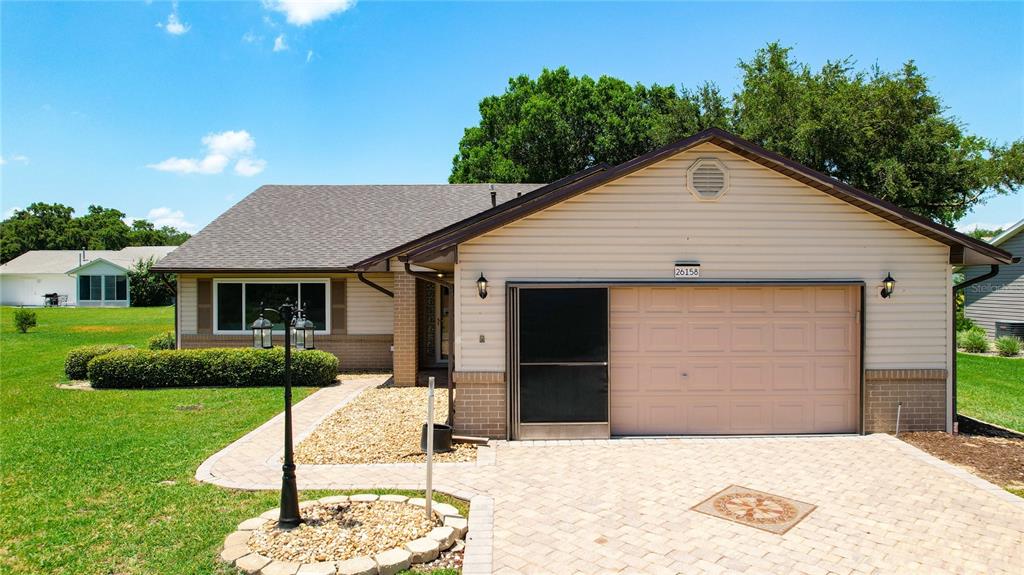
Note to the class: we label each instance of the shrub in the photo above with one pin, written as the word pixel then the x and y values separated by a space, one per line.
pixel 214 367
pixel 974 340
pixel 77 361
pixel 1008 346
pixel 165 340
pixel 24 319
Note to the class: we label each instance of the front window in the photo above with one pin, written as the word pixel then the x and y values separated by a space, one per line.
pixel 238 302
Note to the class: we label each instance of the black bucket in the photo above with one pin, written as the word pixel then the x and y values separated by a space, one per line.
pixel 442 438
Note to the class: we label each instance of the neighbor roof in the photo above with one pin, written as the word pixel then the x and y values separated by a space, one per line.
pixel 1009 233
pixel 962 247
pixel 328 228
pixel 65 261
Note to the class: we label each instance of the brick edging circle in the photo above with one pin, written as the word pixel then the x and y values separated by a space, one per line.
pixel 454 527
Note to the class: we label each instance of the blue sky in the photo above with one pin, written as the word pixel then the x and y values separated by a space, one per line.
pixel 175 112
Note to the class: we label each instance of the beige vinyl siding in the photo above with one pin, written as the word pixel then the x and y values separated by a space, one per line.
pixel 1000 298
pixel 187 301
pixel 369 311
pixel 767 226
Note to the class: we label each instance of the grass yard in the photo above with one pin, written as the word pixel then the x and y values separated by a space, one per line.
pixel 991 389
pixel 100 482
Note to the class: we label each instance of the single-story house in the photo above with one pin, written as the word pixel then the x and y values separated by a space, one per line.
pixel 1000 298
pixel 707 287
pixel 97 278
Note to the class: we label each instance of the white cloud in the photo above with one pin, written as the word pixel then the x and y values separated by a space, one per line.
pixel 221 148
pixel 280 44
pixel 16 158
pixel 251 37
pixel 174 26
pixel 968 228
pixel 230 143
pixel 249 167
pixel 164 216
pixel 9 212
pixel 305 12
pixel 309 56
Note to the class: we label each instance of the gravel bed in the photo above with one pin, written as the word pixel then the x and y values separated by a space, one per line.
pixel 342 531
pixel 448 559
pixel 382 425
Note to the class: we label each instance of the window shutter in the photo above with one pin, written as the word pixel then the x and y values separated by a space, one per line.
pixel 338 307
pixel 204 305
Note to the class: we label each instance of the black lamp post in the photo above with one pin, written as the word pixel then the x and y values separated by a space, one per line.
pixel 262 331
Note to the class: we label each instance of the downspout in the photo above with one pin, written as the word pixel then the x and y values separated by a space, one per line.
pixel 960 287
pixel 451 335
pixel 377 287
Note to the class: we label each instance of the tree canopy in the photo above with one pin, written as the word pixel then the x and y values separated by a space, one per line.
pixel 43 226
pixel 883 132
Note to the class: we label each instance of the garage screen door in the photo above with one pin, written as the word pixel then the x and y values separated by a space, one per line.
pixel 734 360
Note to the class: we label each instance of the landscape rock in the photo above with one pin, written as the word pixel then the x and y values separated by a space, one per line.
pixel 392 561
pixel 460 524
pixel 363 497
pixel 252 563
pixel 423 549
pixel 357 566
pixel 281 568
pixel 445 536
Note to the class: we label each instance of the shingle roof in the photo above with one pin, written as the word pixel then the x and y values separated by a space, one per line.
pixel 63 261
pixel 321 228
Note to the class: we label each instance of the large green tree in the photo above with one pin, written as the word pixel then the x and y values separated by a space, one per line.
pixel 43 226
pixel 884 132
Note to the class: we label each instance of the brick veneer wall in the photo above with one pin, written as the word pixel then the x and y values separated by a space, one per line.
pixel 405 329
pixel 922 392
pixel 355 352
pixel 480 404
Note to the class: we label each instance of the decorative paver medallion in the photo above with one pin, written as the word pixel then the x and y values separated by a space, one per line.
pixel 755 508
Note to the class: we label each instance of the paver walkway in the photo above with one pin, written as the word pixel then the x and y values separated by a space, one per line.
pixel 623 506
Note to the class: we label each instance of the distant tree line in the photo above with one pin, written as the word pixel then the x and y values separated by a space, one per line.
pixel 43 226
pixel 884 132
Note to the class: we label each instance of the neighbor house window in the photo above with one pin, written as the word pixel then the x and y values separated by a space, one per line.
pixel 102 288
pixel 238 302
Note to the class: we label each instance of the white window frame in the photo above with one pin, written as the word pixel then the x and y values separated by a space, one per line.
pixel 216 287
pixel 103 288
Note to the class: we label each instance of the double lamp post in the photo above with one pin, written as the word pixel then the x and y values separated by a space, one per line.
pixel 299 331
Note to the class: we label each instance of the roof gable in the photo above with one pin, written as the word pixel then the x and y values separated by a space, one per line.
pixel 1008 234
pixel 964 249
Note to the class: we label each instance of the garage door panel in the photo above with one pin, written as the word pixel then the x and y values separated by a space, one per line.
pixel 751 300
pixel 624 300
pixel 835 374
pixel 728 360
pixel 793 375
pixel 707 300
pixel 663 300
pixel 661 336
pixel 750 415
pixel 793 336
pixel 752 336
pixel 624 337
pixel 706 336
pixel 833 336
pixel 834 415
pixel 792 415
pixel 750 376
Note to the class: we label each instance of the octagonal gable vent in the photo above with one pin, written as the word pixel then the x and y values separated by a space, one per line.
pixel 707 179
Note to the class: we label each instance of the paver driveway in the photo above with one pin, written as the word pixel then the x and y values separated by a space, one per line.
pixel 624 505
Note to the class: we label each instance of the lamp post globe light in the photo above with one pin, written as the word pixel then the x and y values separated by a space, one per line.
pixel 262 331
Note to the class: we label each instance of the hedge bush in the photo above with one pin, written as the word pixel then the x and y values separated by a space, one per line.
pixel 213 367
pixel 974 340
pixel 24 319
pixel 165 340
pixel 1008 346
pixel 77 362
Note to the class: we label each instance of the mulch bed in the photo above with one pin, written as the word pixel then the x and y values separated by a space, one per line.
pixel 996 459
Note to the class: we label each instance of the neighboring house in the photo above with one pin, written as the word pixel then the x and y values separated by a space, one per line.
pixel 708 287
pixel 1000 298
pixel 79 277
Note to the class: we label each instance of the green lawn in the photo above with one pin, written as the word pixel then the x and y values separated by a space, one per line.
pixel 991 389
pixel 100 482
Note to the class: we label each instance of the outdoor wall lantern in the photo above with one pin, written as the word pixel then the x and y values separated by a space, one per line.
pixel 261 333
pixel 481 286
pixel 888 284
pixel 304 330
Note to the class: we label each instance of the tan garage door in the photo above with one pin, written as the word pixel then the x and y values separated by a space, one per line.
pixel 734 360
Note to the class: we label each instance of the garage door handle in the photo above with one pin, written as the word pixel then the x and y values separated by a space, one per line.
pixel 684 374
